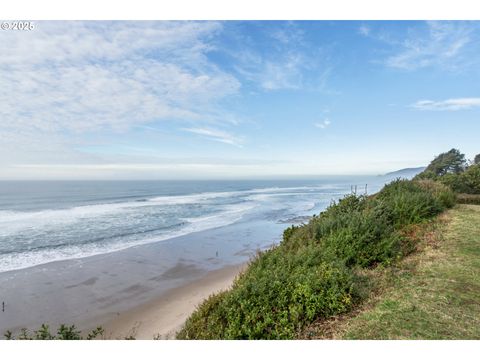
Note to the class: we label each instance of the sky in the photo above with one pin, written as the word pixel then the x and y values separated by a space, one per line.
pixel 235 100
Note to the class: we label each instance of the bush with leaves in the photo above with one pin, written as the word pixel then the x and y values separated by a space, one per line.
pixel 467 182
pixel 278 295
pixel 63 333
pixel 312 273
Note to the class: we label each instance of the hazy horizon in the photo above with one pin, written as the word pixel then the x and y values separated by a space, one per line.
pixel 278 177
pixel 235 99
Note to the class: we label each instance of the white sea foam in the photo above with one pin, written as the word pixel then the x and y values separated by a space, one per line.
pixel 232 214
pixel 12 222
pixel 229 215
pixel 30 226
pixel 193 198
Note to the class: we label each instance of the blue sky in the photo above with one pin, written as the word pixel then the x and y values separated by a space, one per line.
pixel 174 100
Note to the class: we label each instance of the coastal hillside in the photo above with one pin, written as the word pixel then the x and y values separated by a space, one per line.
pixel 318 269
pixel 432 294
pixel 406 173
pixel 338 262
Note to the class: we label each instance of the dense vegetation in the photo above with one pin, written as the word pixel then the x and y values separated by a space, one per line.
pixel 452 169
pixel 314 272
pixel 431 295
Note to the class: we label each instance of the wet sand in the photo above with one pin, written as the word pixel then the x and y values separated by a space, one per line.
pixel 164 316
pixel 132 286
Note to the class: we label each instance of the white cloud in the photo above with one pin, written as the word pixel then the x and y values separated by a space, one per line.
pixel 76 41
pixel 447 44
pixel 323 125
pixel 75 76
pixel 448 105
pixel 282 75
pixel 65 79
pixel 284 72
pixel 364 30
pixel 285 60
pixel 217 135
pixel 288 34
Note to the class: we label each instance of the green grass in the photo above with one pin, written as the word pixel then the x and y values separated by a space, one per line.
pixel 434 294
pixel 317 270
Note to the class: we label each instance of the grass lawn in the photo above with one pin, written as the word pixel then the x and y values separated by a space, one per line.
pixel 432 294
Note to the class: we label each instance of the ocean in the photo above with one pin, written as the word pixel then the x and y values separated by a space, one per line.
pixel 75 252
pixel 48 221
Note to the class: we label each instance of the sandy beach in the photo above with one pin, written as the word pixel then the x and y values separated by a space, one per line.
pixel 147 290
pixel 150 288
pixel 162 317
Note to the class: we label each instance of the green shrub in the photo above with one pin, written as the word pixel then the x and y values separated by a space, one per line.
pixel 311 274
pixel 366 239
pixel 471 179
pixel 426 175
pixel 415 201
pixel 63 333
pixel 442 193
pixel 278 294
pixel 364 230
pixel 467 182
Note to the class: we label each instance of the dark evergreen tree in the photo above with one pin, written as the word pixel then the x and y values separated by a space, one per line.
pixel 450 162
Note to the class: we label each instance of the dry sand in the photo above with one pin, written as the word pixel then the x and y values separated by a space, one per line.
pixel 164 316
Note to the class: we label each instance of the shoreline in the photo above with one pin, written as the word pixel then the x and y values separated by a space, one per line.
pixel 102 289
pixel 163 317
